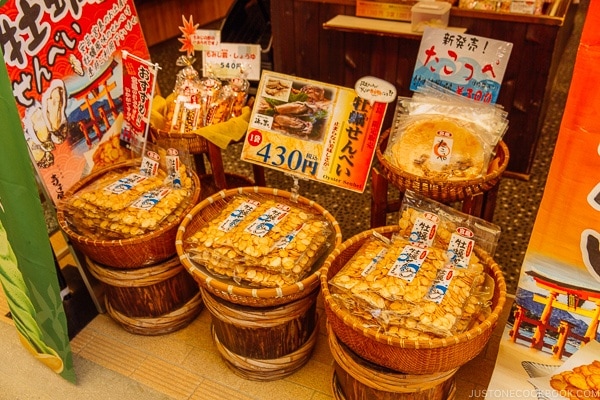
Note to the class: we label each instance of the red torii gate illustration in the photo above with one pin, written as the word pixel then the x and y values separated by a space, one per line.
pixel 576 297
pixel 97 90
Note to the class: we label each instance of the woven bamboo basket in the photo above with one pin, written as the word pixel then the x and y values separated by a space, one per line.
pixel 410 356
pixel 227 289
pixel 443 190
pixel 264 344
pixel 355 378
pixel 135 252
pixel 151 300
pixel 196 144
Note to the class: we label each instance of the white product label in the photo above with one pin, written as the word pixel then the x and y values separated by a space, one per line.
pixel 238 215
pixel 441 150
pixel 424 229
pixel 408 263
pixel 263 224
pixel 461 247
pixel 440 285
pixel 373 263
pixel 150 199
pixel 124 184
pixel 287 239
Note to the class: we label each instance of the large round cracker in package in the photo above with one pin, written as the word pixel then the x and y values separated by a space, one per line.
pixel 439 147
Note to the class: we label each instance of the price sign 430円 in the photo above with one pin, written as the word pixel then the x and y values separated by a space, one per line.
pixel 317 131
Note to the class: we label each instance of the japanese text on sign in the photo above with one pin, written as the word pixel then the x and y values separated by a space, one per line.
pixel 204 39
pixel 316 131
pixel 468 65
pixel 63 60
pixel 230 60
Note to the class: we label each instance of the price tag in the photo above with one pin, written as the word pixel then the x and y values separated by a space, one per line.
pixel 232 60
pixel 314 130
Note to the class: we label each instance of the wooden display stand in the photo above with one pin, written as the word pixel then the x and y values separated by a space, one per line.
pixel 304 46
pixel 481 205
pixel 215 158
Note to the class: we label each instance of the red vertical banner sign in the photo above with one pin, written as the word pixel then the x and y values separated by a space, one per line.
pixel 139 81
pixel 552 336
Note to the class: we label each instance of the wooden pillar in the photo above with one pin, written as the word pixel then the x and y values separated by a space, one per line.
pixel 564 330
pixel 540 331
pixel 592 329
pixel 514 332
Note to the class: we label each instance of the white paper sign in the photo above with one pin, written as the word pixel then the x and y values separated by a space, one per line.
pixel 471 66
pixel 204 39
pixel 231 60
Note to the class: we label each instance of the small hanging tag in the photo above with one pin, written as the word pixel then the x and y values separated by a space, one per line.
pixel 295 190
pixel 150 164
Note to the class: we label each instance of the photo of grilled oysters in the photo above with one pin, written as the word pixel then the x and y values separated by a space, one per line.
pixel 45 124
pixel 302 112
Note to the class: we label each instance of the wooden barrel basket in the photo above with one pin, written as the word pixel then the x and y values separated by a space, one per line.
pixel 133 252
pixel 264 344
pixel 264 333
pixel 422 356
pixel 355 378
pixel 150 300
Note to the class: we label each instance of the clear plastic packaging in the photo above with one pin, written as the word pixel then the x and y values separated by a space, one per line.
pixel 183 110
pixel 126 204
pixel 260 242
pixel 427 221
pixel 440 135
pixel 409 290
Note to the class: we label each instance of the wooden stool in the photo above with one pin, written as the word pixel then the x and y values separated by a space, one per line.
pixel 481 205
pixel 215 159
pixel 204 150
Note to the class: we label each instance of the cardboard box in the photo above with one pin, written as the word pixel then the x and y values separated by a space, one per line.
pixel 396 10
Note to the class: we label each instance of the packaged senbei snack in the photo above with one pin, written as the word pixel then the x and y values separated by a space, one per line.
pixel 183 110
pixel 441 136
pixel 442 308
pixel 407 271
pixel 352 283
pixel 260 241
pixel 429 222
pixel 125 204
pixel 239 88
pixel 409 290
pixel 113 192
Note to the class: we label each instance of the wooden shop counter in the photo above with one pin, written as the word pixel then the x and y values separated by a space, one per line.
pixel 304 45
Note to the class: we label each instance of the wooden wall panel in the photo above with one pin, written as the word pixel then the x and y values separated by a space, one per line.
pixel 161 19
pixel 302 47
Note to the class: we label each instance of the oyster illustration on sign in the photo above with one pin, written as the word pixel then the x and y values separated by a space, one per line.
pixel 54 102
pixel 46 124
